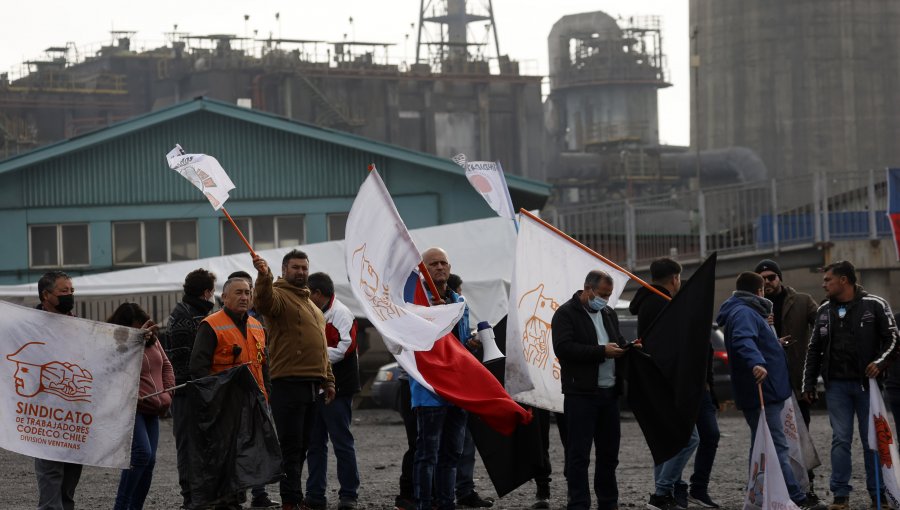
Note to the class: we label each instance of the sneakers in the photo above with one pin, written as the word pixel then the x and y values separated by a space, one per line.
pixel 816 505
pixel 703 499
pixel 840 503
pixel 347 504
pixel 264 502
pixel 661 503
pixel 473 500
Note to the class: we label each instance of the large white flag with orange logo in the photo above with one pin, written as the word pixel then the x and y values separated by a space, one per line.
pixel 68 387
pixel 380 257
pixel 766 489
pixel 204 172
pixel 549 269
pixel 881 440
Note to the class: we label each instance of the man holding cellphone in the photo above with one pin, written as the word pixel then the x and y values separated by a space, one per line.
pixel 793 316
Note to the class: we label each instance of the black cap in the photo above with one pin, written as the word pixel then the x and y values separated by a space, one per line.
pixel 768 265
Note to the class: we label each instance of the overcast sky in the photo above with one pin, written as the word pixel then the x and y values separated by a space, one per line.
pixel 522 26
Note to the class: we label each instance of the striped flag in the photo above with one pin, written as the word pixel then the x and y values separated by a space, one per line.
pixel 882 442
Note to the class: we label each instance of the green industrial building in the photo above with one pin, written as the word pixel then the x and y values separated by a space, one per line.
pixel 107 200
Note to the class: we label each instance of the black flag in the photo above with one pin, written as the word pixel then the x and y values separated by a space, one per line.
pixel 667 377
pixel 232 440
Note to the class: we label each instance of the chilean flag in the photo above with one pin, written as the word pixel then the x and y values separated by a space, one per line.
pixel 380 255
pixel 893 185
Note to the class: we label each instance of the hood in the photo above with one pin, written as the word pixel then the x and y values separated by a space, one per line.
pixel 283 284
pixel 739 299
pixel 641 295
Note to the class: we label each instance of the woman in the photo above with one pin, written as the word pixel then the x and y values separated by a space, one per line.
pixel 156 375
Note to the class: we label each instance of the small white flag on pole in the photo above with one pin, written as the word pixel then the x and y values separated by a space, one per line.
pixel 802 452
pixel 488 179
pixel 881 441
pixel 766 489
pixel 204 172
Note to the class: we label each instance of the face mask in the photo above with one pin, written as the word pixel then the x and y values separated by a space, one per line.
pixel 66 303
pixel 597 303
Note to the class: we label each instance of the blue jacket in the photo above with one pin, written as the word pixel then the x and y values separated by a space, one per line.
pixel 421 397
pixel 750 341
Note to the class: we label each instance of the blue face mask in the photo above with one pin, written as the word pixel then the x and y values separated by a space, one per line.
pixel 597 303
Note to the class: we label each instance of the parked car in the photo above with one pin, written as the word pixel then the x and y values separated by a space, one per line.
pixel 386 387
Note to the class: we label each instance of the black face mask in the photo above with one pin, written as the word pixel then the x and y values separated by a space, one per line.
pixel 66 303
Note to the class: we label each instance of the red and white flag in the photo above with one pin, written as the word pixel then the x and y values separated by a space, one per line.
pixel 380 256
pixel 766 489
pixel 488 179
pixel 204 172
pixel 881 441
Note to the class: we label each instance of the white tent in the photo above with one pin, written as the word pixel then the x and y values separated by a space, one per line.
pixel 480 251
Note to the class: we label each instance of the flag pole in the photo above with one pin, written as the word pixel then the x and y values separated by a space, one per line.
pixel 597 255
pixel 238 230
pixel 877 463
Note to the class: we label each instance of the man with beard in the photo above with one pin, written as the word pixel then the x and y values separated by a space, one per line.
pixel 298 362
pixel 56 480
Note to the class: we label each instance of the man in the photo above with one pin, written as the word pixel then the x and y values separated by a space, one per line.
pixel 854 337
pixel 259 496
pixel 793 315
pixel 56 480
pixel 587 341
pixel 298 359
pixel 756 358
pixel 334 420
pixel 183 323
pixel 671 490
pixel 441 426
pixel 230 338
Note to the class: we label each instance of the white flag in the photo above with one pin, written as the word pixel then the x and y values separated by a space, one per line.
pixel 801 451
pixel 881 440
pixel 380 257
pixel 68 387
pixel 204 172
pixel 766 489
pixel 548 270
pixel 487 178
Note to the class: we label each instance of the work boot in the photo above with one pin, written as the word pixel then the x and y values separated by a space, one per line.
pixel 542 497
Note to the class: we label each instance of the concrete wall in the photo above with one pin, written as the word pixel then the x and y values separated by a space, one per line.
pixel 807 84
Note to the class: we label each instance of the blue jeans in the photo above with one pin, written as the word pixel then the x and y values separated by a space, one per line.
pixel 669 472
pixel 134 483
pixel 592 420
pixel 332 421
pixel 773 420
pixel 439 445
pixel 708 428
pixel 844 399
pixel 465 470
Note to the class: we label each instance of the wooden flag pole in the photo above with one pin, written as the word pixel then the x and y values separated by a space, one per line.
pixel 236 229
pixel 595 254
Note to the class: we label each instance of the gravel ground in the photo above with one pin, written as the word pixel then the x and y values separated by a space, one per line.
pixel 380 443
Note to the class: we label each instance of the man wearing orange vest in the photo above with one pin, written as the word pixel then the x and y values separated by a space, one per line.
pixel 230 338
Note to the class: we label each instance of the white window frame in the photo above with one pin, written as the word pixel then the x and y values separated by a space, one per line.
pixel 143 223
pixel 224 225
pixel 59 245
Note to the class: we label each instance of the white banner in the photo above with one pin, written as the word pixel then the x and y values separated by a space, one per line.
pixel 380 256
pixel 487 178
pixel 766 489
pixel 548 270
pixel 881 441
pixel 68 387
pixel 801 451
pixel 204 172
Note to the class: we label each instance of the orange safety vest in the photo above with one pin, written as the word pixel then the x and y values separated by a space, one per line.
pixel 253 348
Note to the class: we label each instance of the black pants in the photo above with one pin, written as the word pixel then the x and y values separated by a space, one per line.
pixel 180 426
pixel 293 407
pixel 409 423
pixel 592 420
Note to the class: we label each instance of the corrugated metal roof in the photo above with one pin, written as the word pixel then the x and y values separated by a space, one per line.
pixel 136 172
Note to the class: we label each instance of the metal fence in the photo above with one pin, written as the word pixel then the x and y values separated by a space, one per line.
pixel 759 216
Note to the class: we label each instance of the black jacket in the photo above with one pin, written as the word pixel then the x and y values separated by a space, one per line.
pixel 871 325
pixel 181 330
pixel 575 343
pixel 647 305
